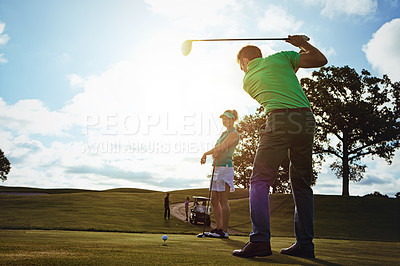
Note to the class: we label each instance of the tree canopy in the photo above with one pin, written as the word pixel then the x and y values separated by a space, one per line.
pixel 357 116
pixel 5 166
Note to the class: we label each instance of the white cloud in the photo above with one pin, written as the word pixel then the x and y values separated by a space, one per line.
pixel 383 50
pixel 277 20
pixel 378 176
pixel 32 117
pixel 172 104
pixel 196 16
pixel 345 7
pixel 2 59
pixel 176 99
pixel 65 164
pixel 2 26
pixel 328 52
pixel 4 38
pixel 381 176
pixel 187 8
pixel 166 82
pixel 75 81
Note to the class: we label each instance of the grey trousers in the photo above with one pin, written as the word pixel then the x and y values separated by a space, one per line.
pixel 284 132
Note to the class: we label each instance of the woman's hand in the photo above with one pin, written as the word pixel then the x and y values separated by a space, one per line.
pixel 203 159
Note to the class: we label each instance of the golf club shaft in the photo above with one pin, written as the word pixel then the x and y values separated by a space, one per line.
pixel 187 45
pixel 246 39
pixel 208 200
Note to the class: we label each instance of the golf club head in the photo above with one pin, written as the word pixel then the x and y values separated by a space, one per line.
pixel 186 47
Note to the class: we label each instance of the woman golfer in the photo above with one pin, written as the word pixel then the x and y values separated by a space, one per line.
pixel 223 174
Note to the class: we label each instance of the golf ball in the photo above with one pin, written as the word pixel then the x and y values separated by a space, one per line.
pixel 165 237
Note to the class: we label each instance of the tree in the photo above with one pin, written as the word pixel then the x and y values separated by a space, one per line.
pixel 376 194
pixel 4 166
pixel 243 158
pixel 357 116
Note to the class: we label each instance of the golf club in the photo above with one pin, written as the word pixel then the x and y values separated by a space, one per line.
pixel 208 204
pixel 187 45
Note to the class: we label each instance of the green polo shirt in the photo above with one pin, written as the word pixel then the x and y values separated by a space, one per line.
pixel 272 82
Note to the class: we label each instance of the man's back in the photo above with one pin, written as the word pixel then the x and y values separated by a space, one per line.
pixel 273 83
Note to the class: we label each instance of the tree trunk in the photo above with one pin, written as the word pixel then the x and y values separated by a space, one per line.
pixel 345 165
pixel 345 188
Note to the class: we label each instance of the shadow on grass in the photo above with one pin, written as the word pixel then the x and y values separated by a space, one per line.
pixel 283 259
pixel 324 262
pixel 235 244
pixel 277 258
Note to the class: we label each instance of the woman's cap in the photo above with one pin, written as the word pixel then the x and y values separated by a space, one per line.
pixel 227 114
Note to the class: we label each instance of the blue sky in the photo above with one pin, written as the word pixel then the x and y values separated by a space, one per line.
pixel 96 94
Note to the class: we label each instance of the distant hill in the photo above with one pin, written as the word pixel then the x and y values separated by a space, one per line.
pixel 130 190
pixel 6 189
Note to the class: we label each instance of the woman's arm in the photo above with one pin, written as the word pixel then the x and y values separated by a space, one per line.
pixel 204 157
pixel 231 139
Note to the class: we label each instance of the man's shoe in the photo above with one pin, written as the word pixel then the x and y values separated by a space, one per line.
pixel 296 250
pixel 254 249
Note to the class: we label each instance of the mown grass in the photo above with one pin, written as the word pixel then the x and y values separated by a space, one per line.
pixel 98 248
pixel 119 215
pixel 121 210
pixel 100 211
pixel 132 210
pixel 4 189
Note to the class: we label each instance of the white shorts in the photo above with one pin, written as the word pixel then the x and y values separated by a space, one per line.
pixel 223 175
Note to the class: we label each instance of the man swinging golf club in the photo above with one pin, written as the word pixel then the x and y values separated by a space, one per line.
pixel 222 180
pixel 289 129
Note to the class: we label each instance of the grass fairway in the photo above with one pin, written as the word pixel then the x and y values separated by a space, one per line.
pixel 20 247
pixel 125 226
pixel 90 211
pixel 123 210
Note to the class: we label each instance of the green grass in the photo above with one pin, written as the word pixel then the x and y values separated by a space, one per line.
pixel 121 210
pixel 98 248
pixel 133 210
pixel 39 190
pixel 100 211
pixel 124 226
